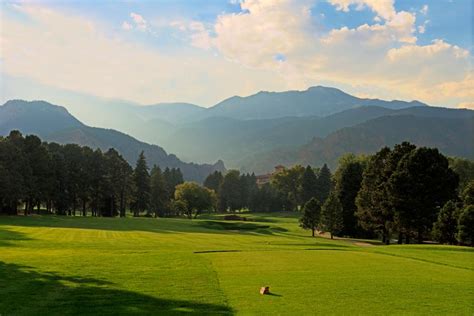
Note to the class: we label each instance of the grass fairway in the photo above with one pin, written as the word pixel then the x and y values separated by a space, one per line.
pixel 112 266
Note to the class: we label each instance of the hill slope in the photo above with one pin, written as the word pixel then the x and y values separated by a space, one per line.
pixel 235 141
pixel 54 123
pixel 452 136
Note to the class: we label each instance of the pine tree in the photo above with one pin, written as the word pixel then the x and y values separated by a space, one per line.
pixel 421 184
pixel 331 215
pixel 158 198
pixel 141 179
pixel 309 184
pixel 172 178
pixel 214 181
pixel 348 181
pixel 323 183
pixel 374 213
pixel 311 215
pixel 230 196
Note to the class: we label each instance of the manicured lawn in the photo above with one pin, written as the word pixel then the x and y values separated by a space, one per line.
pixel 61 266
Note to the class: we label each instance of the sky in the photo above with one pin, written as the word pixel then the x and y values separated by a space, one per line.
pixel 202 52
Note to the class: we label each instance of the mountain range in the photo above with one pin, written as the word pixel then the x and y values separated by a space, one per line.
pixel 54 123
pixel 251 133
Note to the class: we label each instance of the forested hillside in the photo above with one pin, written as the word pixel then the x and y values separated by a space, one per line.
pixel 53 123
pixel 450 135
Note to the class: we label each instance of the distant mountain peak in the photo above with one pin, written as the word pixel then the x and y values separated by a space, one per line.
pixel 314 101
pixel 37 104
pixel 39 116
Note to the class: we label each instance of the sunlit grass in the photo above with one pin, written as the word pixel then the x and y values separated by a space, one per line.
pixel 63 265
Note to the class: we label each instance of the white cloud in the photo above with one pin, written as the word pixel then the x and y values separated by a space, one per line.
pixel 196 32
pixel 422 27
pixel 140 22
pixel 466 105
pixel 199 35
pixel 383 55
pixel 269 28
pixel 126 26
pixel 72 53
pixel 270 45
pixel 424 9
pixel 383 8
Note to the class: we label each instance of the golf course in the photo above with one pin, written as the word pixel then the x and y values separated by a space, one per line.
pixel 57 265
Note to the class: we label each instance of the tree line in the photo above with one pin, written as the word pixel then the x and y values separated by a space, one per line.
pixel 70 179
pixel 404 192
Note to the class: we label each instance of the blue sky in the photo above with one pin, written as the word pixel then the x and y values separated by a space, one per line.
pixel 204 51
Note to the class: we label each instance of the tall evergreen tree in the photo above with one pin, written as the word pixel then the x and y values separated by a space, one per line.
pixel 172 178
pixel 267 199
pixel 38 161
pixel 85 181
pixel 141 177
pixel 230 197
pixel 214 181
pixel 331 215
pixel 158 195
pixel 72 159
pixel 323 183
pixel 98 175
pixel 420 185
pixel 348 181
pixel 118 182
pixel 60 196
pixel 309 185
pixel 12 181
pixel 374 213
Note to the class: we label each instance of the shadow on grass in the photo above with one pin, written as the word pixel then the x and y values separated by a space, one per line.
pixel 274 294
pixel 241 227
pixel 314 244
pixel 214 251
pixel 8 237
pixel 24 291
pixel 160 225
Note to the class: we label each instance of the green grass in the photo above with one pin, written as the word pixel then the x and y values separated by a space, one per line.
pixel 112 266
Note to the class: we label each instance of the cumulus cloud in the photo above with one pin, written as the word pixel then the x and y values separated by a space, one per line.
pixel 383 8
pixel 384 55
pixel 270 44
pixel 72 53
pixel 267 28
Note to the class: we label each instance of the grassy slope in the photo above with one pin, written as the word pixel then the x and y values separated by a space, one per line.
pixel 55 265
